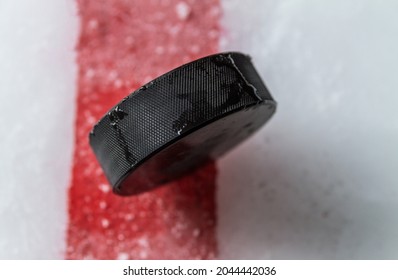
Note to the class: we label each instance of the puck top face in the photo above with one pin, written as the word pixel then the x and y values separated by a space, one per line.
pixel 179 121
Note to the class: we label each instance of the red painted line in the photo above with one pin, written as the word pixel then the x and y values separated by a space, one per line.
pixel 122 45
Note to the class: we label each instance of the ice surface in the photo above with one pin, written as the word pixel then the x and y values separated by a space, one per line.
pixel 320 180
pixel 133 42
pixel 37 89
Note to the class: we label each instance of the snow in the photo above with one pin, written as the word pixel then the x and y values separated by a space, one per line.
pixel 183 10
pixel 37 89
pixel 320 180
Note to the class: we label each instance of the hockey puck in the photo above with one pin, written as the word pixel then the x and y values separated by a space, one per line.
pixel 179 121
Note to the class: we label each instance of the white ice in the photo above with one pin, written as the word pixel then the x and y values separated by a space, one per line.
pixel 37 92
pixel 321 179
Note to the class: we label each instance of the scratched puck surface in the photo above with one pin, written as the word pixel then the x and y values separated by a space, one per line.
pixel 179 121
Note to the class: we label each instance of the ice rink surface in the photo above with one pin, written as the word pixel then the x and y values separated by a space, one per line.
pixel 37 100
pixel 319 181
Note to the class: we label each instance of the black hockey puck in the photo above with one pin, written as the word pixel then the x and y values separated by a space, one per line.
pixel 179 121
